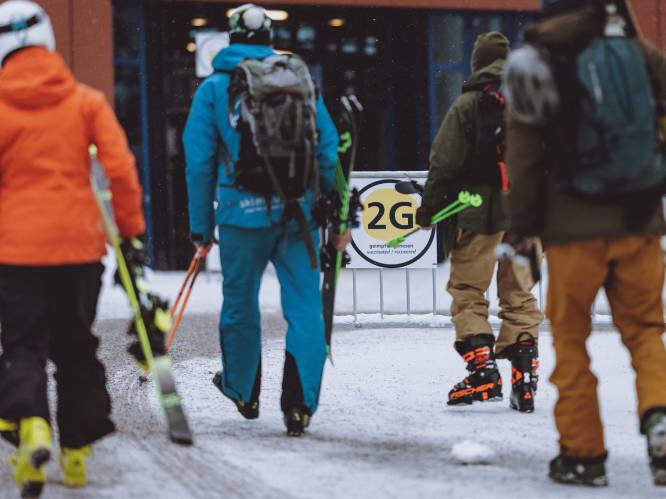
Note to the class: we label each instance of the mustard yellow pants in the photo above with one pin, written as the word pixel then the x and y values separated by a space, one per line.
pixel 631 269
pixel 472 267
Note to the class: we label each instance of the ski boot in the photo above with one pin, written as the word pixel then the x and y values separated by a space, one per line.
pixel 73 465
pixel 484 383
pixel 575 471
pixel 32 454
pixel 524 365
pixel 296 420
pixel 655 429
pixel 9 432
pixel 249 410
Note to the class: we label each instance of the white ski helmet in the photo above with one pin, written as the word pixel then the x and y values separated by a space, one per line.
pixel 248 19
pixel 529 86
pixel 24 24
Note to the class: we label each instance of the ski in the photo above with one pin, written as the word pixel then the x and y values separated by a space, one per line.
pixel 342 209
pixel 159 366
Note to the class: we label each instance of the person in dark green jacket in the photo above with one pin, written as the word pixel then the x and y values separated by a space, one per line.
pixel 456 163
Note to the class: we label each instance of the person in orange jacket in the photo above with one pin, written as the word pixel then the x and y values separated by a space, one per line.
pixel 51 244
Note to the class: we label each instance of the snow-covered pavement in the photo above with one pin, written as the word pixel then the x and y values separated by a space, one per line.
pixel 383 430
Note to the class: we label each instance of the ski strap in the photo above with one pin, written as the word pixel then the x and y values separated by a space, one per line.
pixel 293 209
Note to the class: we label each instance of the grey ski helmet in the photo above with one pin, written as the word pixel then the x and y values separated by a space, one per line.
pixel 529 86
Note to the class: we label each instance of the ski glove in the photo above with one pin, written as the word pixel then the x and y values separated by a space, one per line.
pixel 424 217
pixel 135 255
pixel 155 313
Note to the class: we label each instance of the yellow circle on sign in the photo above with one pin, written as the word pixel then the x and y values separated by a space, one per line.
pixel 388 214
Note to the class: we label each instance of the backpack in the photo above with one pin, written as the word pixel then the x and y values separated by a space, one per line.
pixel 276 98
pixel 614 153
pixel 487 164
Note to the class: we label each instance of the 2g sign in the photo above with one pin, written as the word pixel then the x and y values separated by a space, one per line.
pixel 407 218
pixel 387 215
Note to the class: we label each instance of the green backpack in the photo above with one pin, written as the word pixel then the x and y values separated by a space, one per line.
pixel 617 152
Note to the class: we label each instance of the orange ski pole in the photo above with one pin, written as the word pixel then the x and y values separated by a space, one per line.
pixel 190 277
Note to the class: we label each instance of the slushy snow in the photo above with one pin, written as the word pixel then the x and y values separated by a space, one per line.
pixel 469 452
pixel 383 428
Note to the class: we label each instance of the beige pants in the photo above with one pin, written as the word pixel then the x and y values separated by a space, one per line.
pixel 472 267
pixel 631 269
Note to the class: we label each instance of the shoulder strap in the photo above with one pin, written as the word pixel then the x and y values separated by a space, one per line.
pixel 481 86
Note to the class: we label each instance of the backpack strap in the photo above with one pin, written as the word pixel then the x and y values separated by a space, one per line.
pixel 292 208
pixel 480 86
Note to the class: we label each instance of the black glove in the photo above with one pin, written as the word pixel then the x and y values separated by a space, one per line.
pixel 155 313
pixel 423 217
pixel 135 255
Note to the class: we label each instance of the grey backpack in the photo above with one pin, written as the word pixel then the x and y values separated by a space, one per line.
pixel 277 100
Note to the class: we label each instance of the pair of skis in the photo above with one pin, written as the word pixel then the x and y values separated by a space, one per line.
pixel 159 366
pixel 342 210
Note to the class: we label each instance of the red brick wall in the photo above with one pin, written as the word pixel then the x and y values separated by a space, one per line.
pixel 650 14
pixel 84 36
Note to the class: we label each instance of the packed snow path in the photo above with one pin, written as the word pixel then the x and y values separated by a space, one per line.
pixel 383 429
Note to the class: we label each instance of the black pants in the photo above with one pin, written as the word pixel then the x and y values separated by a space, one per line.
pixel 47 312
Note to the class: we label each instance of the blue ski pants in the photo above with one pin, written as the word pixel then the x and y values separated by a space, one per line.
pixel 244 255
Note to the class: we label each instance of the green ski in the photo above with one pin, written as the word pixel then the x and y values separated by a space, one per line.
pixel 341 209
pixel 160 365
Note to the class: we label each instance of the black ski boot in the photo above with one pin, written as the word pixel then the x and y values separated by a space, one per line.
pixel 654 427
pixel 249 410
pixel 484 382
pixel 574 471
pixel 524 378
pixel 296 420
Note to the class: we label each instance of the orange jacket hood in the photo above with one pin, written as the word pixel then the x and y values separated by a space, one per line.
pixel 35 78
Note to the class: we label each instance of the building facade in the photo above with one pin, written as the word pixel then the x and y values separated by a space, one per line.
pixel 405 59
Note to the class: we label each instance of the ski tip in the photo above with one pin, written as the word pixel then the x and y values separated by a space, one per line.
pixel 184 439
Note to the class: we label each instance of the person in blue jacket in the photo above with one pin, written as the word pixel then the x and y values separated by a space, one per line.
pixel 251 235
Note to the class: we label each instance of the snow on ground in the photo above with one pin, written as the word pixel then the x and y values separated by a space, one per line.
pixel 384 430
pixel 469 452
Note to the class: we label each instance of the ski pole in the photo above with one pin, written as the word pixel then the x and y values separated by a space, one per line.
pixel 188 274
pixel 191 277
pixel 465 200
